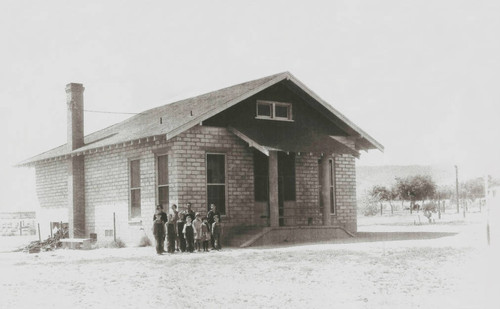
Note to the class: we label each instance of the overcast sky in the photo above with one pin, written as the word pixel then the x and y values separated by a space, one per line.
pixel 421 77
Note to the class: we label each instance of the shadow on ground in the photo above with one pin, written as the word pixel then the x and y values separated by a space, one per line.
pixel 388 236
pixel 372 237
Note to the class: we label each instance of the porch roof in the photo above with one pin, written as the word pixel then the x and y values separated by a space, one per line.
pixel 302 143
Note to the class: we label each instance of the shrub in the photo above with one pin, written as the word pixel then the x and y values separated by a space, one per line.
pixel 368 205
pixel 144 242
pixel 431 206
pixel 370 209
pixel 110 244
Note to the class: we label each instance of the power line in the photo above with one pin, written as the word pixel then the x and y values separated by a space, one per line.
pixel 106 112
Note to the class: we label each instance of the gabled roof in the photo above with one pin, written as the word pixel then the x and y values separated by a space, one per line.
pixel 182 115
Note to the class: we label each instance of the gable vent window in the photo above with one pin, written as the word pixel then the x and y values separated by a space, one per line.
pixel 274 110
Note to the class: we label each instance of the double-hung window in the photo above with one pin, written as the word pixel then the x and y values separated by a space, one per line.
pixel 135 189
pixel 216 181
pixel 163 184
pixel 331 183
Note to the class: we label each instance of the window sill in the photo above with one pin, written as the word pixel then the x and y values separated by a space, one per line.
pixel 274 119
pixel 135 222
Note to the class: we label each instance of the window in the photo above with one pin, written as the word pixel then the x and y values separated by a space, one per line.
pixel 274 110
pixel 264 110
pixel 216 181
pixel 281 111
pixel 331 172
pixel 135 189
pixel 163 187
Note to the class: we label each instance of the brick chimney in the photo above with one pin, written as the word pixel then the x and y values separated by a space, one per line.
pixel 76 167
pixel 74 100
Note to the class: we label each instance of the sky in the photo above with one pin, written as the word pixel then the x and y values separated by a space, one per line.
pixel 421 77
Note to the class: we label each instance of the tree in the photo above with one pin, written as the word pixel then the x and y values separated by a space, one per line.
pixel 493 181
pixel 415 188
pixel 423 187
pixel 382 194
pixel 444 193
pixel 474 188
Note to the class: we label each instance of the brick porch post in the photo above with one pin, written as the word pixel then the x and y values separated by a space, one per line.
pixel 273 189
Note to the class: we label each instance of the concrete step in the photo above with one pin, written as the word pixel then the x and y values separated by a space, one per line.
pixel 240 235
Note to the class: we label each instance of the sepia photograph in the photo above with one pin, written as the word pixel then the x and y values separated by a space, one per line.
pixel 250 154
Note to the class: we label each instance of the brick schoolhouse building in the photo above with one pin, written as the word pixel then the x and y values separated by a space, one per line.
pixel 271 154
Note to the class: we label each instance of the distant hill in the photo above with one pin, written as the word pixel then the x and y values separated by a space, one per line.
pixel 368 176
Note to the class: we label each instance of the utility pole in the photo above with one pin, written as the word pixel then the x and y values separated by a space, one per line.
pixel 487 209
pixel 456 180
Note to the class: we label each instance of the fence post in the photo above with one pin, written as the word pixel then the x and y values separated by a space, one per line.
pixel 439 206
pixel 39 235
pixel 20 228
pixel 114 227
pixel 50 226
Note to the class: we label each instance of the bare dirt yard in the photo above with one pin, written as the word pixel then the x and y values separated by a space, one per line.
pixel 393 263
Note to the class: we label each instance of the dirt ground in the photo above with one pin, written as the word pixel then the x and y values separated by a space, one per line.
pixel 393 263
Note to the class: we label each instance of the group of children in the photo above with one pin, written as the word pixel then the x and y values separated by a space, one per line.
pixel 186 231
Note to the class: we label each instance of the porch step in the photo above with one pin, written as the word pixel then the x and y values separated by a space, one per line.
pixel 240 235
pixel 297 234
pixel 76 243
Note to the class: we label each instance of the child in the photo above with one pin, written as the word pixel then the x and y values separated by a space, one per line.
pixel 211 214
pixel 181 241
pixel 205 234
pixel 188 232
pixel 217 232
pixel 159 219
pixel 175 213
pixel 171 234
pixel 197 231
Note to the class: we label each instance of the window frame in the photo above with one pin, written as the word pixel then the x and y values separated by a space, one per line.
pixel 264 116
pixel 131 189
pixel 226 210
pixel 332 186
pixel 273 105
pixel 158 185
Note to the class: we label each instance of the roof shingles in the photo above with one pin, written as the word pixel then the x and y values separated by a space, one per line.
pixel 147 123
pixel 181 115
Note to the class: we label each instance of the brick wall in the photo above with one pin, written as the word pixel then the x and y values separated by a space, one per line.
pixel 107 180
pixel 107 190
pixel 307 193
pixel 107 183
pixel 189 150
pixel 52 184
pixel 345 180
pixel 307 190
